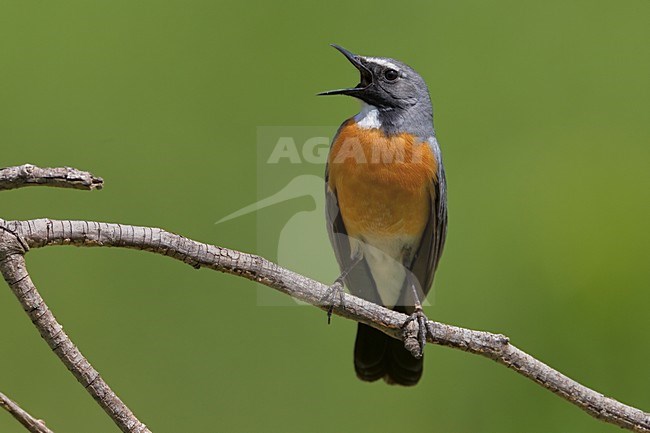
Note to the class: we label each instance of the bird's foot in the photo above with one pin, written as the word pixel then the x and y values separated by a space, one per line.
pixel 414 333
pixel 334 291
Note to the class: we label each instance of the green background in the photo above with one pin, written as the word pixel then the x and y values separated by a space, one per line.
pixel 543 114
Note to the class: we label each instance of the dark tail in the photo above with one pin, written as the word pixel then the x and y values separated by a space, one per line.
pixel 376 356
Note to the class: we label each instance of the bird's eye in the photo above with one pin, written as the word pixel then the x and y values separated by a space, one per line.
pixel 391 74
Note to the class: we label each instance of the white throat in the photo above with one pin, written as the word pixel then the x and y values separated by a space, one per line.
pixel 368 117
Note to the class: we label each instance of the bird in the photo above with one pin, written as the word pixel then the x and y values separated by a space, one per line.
pixel 386 208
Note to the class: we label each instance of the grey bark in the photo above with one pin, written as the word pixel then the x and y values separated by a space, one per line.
pixel 44 232
pixel 14 271
pixel 29 422
pixel 17 237
pixel 63 177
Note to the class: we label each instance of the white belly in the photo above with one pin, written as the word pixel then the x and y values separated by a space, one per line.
pixel 385 258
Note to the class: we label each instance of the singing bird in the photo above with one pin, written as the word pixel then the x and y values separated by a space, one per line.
pixel 386 208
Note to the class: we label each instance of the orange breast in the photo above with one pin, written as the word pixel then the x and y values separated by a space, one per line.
pixel 382 183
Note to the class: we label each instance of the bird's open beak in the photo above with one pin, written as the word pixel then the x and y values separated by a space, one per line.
pixel 365 80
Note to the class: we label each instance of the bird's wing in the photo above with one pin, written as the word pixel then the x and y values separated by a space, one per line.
pixel 359 280
pixel 429 251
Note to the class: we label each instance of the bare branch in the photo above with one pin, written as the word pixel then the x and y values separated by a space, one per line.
pixel 32 424
pixel 44 232
pixel 14 271
pixel 63 177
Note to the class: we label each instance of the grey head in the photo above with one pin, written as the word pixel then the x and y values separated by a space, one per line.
pixel 398 94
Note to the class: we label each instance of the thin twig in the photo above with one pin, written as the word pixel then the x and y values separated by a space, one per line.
pixel 32 424
pixel 14 271
pixel 62 177
pixel 45 232
pixel 16 237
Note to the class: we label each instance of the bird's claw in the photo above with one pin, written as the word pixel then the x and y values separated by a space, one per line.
pixel 333 291
pixel 415 333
